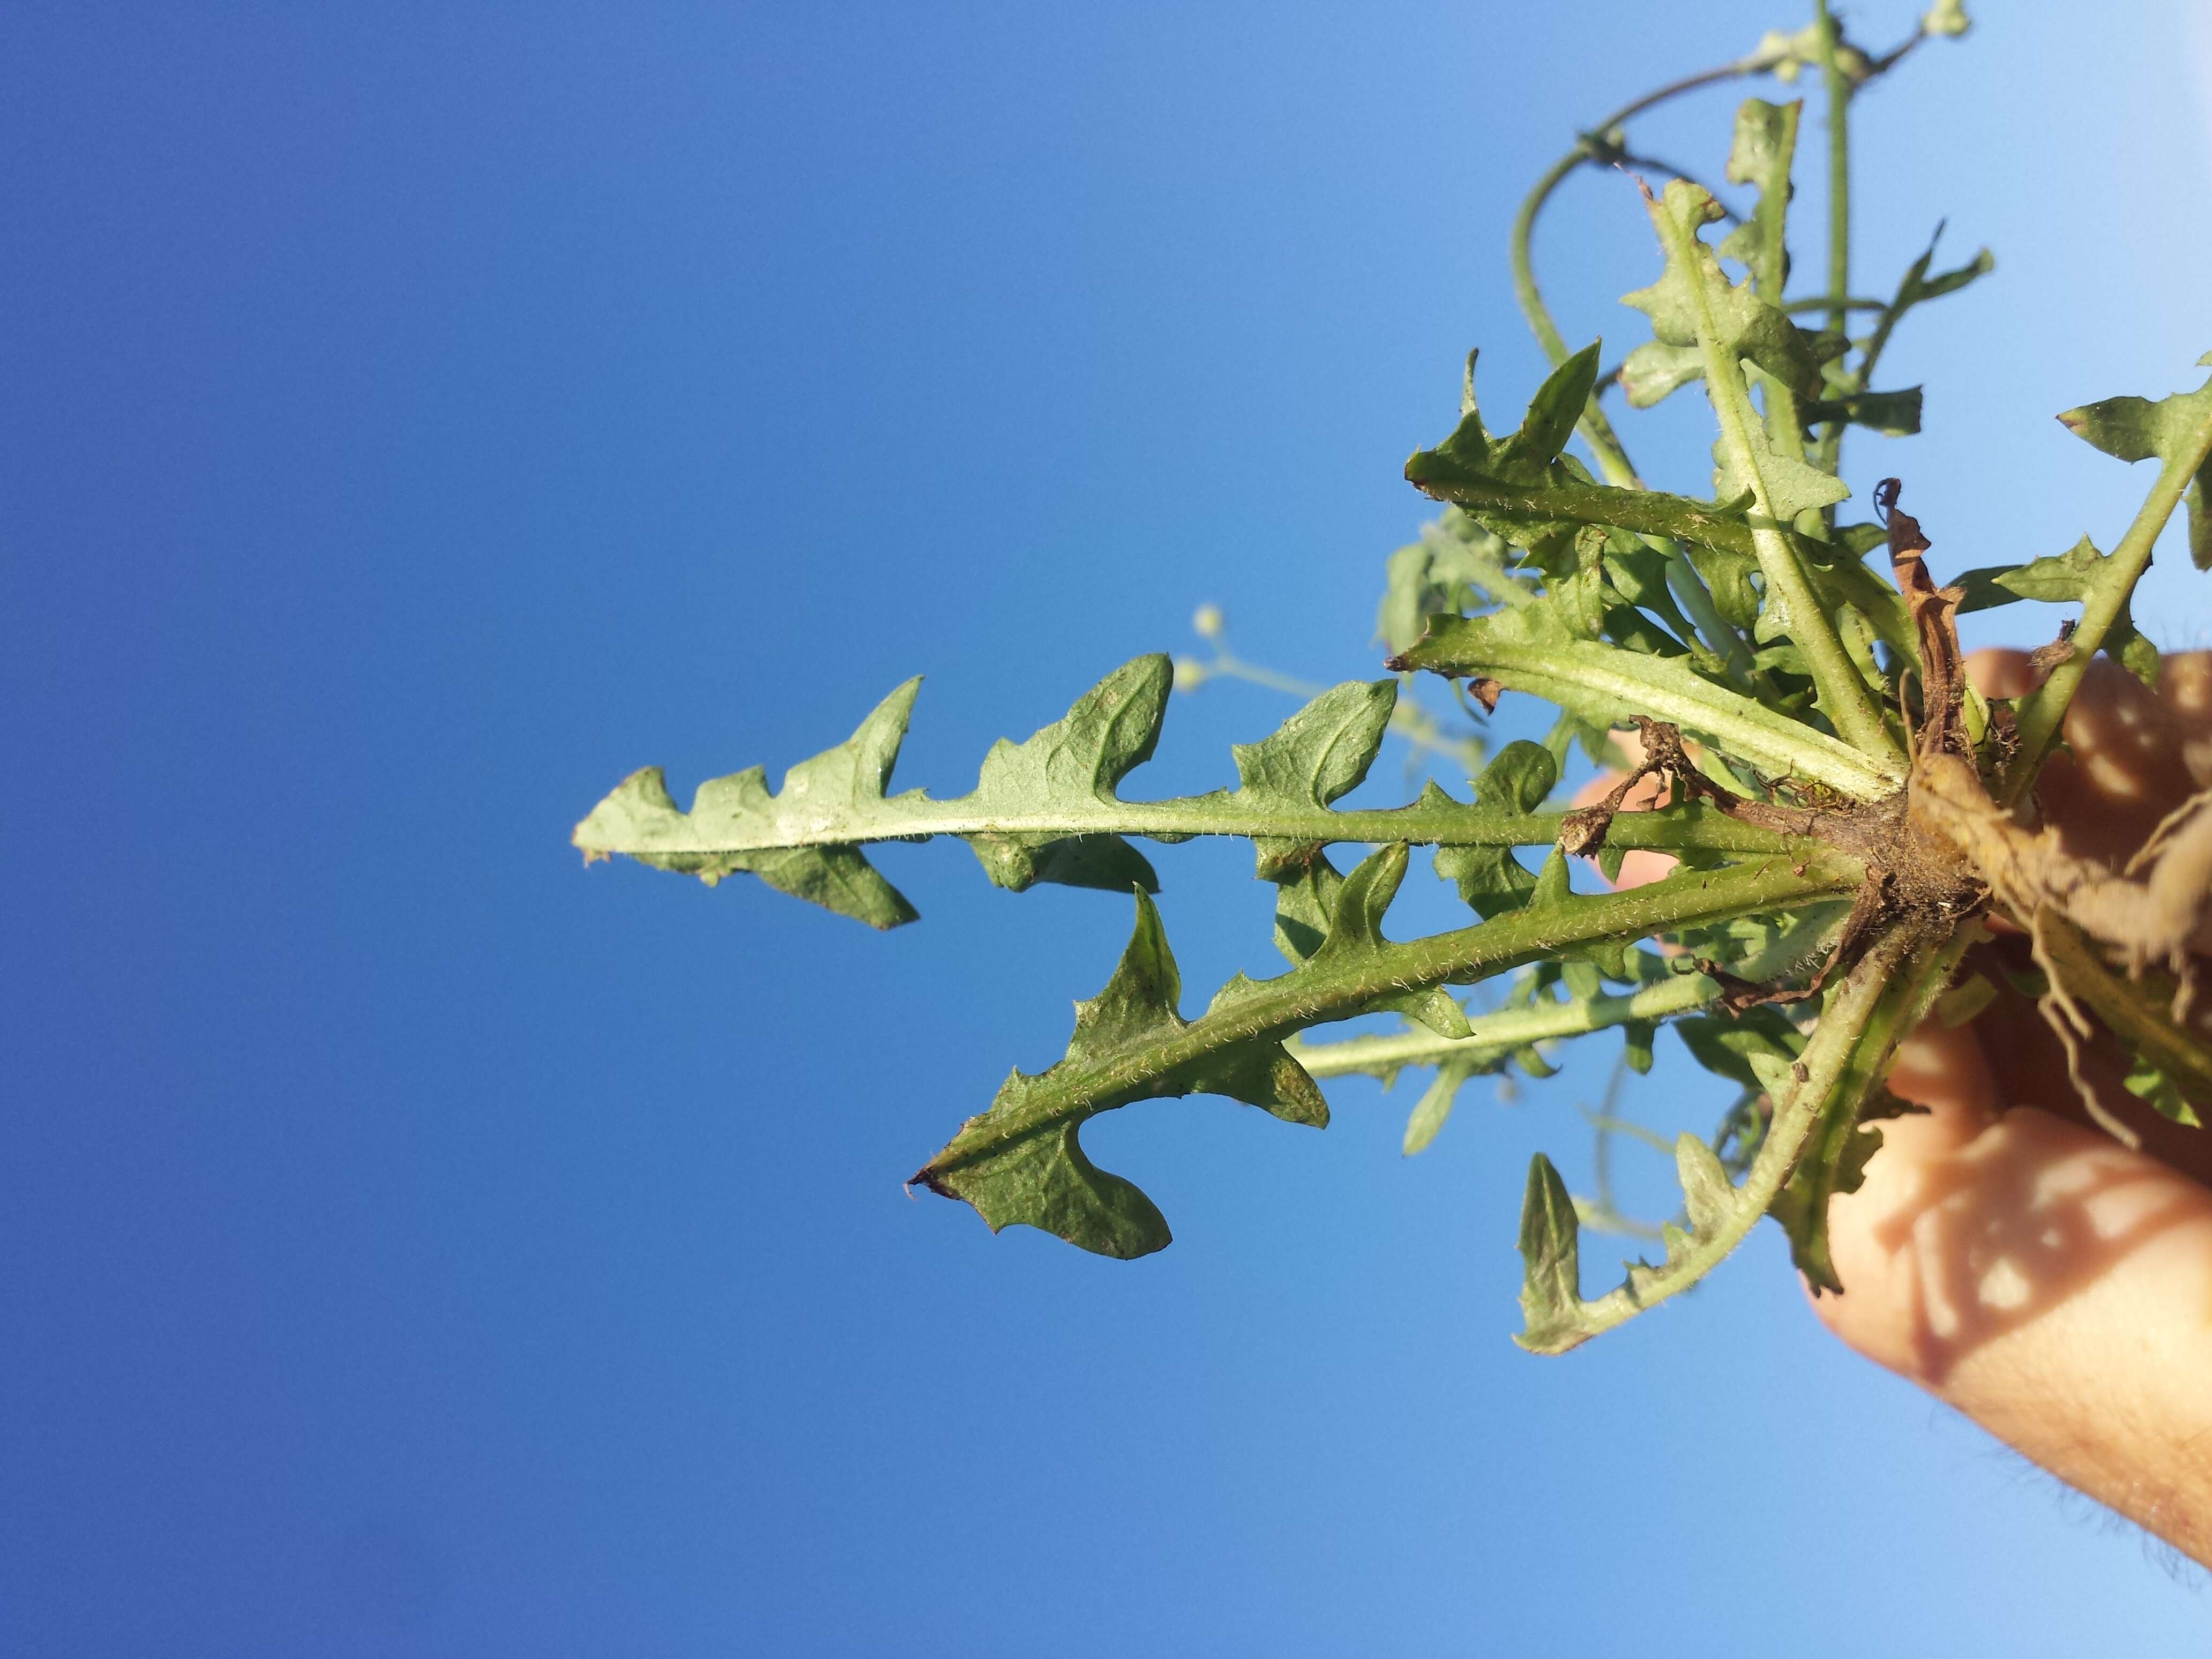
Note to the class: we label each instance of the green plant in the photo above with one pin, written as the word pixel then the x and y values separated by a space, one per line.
pixel 1844 809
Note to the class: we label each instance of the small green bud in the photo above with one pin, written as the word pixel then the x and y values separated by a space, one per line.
pixel 1782 54
pixel 1947 17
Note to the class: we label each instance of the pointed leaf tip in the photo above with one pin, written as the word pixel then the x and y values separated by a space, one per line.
pixel 1355 922
pixel 1021 1161
pixel 1322 752
pixel 2132 428
pixel 1048 1181
pixel 1434 1106
pixel 1708 1195
pixel 1553 412
pixel 1550 1256
pixel 1526 456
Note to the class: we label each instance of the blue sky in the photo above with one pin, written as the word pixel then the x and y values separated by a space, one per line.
pixel 417 417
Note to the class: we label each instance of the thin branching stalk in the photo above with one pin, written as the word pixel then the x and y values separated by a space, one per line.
pixel 1838 87
pixel 1506 1029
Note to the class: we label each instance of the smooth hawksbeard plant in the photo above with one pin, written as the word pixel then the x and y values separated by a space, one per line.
pixel 1848 816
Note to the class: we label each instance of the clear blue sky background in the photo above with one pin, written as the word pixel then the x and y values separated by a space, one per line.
pixel 416 417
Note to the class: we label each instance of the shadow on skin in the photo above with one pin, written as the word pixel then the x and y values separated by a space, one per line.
pixel 2014 1260
pixel 2032 1271
pixel 2000 1230
pixel 2020 1264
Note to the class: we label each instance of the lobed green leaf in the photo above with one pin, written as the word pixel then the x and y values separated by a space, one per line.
pixel 735 825
pixel 1019 1161
pixel 2139 430
pixel 1018 1164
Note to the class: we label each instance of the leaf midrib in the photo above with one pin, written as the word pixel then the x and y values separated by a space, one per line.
pixel 913 816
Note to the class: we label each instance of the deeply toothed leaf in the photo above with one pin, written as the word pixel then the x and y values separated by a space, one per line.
pixel 1654 370
pixel 1745 325
pixel 1019 1162
pixel 1046 810
pixel 735 825
pixel 1022 1162
pixel 1523 491
pixel 1693 303
pixel 1503 1035
pixel 1852 1042
pixel 2139 428
pixel 2056 578
pixel 1893 414
pixel 2144 430
pixel 1765 144
pixel 1306 911
pixel 2060 578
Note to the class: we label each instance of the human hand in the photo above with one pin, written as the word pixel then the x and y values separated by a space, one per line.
pixel 2010 1258
pixel 2006 1254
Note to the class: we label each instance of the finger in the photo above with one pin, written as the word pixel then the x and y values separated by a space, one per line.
pixel 1947 1073
pixel 2055 1287
pixel 1637 869
pixel 2132 755
pixel 2000 671
pixel 2123 768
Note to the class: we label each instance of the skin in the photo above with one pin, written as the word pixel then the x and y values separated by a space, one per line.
pixel 2005 1255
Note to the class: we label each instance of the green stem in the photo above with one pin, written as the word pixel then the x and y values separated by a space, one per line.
pixel 1606 448
pixel 1830 1062
pixel 1607 1123
pixel 1878 341
pixel 2042 712
pixel 1819 1165
pixel 1524 269
pixel 1839 88
pixel 1695 599
pixel 1827 302
pixel 1500 1033
pixel 1597 431
pixel 1651 513
pixel 1841 693
pixel 1660 520
pixel 1663 994
pixel 1912 993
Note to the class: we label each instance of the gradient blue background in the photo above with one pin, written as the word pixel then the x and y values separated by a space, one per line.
pixel 416 417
